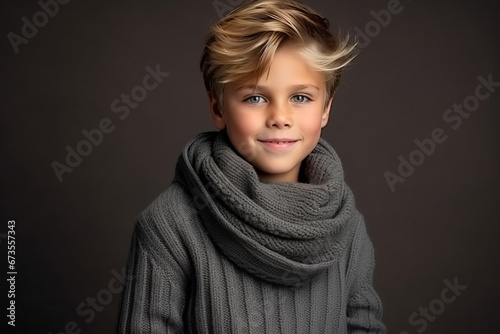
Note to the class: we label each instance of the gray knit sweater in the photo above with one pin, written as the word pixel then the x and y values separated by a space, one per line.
pixel 221 252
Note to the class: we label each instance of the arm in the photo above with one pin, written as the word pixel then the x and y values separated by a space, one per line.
pixel 364 308
pixel 153 297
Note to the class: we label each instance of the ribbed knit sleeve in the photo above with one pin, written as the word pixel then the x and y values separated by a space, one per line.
pixel 154 294
pixel 364 308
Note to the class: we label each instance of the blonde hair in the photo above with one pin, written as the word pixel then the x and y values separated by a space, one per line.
pixel 242 44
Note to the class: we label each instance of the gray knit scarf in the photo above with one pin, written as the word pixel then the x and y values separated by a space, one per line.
pixel 282 232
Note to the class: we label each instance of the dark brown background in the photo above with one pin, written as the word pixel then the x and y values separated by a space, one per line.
pixel 441 223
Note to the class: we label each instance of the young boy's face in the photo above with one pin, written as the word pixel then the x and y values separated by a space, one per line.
pixel 277 123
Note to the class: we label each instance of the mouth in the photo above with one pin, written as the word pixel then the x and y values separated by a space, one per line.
pixel 279 141
pixel 278 144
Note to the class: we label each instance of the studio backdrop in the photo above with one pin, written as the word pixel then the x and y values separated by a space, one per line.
pixel 98 98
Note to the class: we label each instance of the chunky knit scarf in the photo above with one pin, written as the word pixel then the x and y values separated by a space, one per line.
pixel 282 232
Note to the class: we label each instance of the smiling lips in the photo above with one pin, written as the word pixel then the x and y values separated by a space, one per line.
pixel 278 144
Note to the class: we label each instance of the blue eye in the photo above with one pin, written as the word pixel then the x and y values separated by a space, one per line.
pixel 254 99
pixel 300 98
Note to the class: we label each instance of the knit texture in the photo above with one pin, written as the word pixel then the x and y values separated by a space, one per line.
pixel 221 252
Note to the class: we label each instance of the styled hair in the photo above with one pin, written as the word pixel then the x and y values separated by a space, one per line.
pixel 242 45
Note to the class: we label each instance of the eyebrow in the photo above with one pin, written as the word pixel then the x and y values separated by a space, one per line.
pixel 264 88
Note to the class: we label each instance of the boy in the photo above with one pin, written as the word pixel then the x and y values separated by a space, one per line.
pixel 258 232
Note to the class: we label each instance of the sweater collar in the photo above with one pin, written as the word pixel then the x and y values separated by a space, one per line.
pixel 285 233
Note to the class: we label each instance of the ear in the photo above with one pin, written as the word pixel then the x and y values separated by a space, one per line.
pixel 216 112
pixel 326 113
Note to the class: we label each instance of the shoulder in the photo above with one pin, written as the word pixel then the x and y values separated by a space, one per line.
pixel 165 227
pixel 357 239
pixel 162 214
pixel 360 254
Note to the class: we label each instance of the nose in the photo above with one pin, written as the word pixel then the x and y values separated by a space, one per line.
pixel 279 117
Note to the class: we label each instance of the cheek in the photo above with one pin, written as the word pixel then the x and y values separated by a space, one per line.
pixel 244 124
pixel 242 128
pixel 311 125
